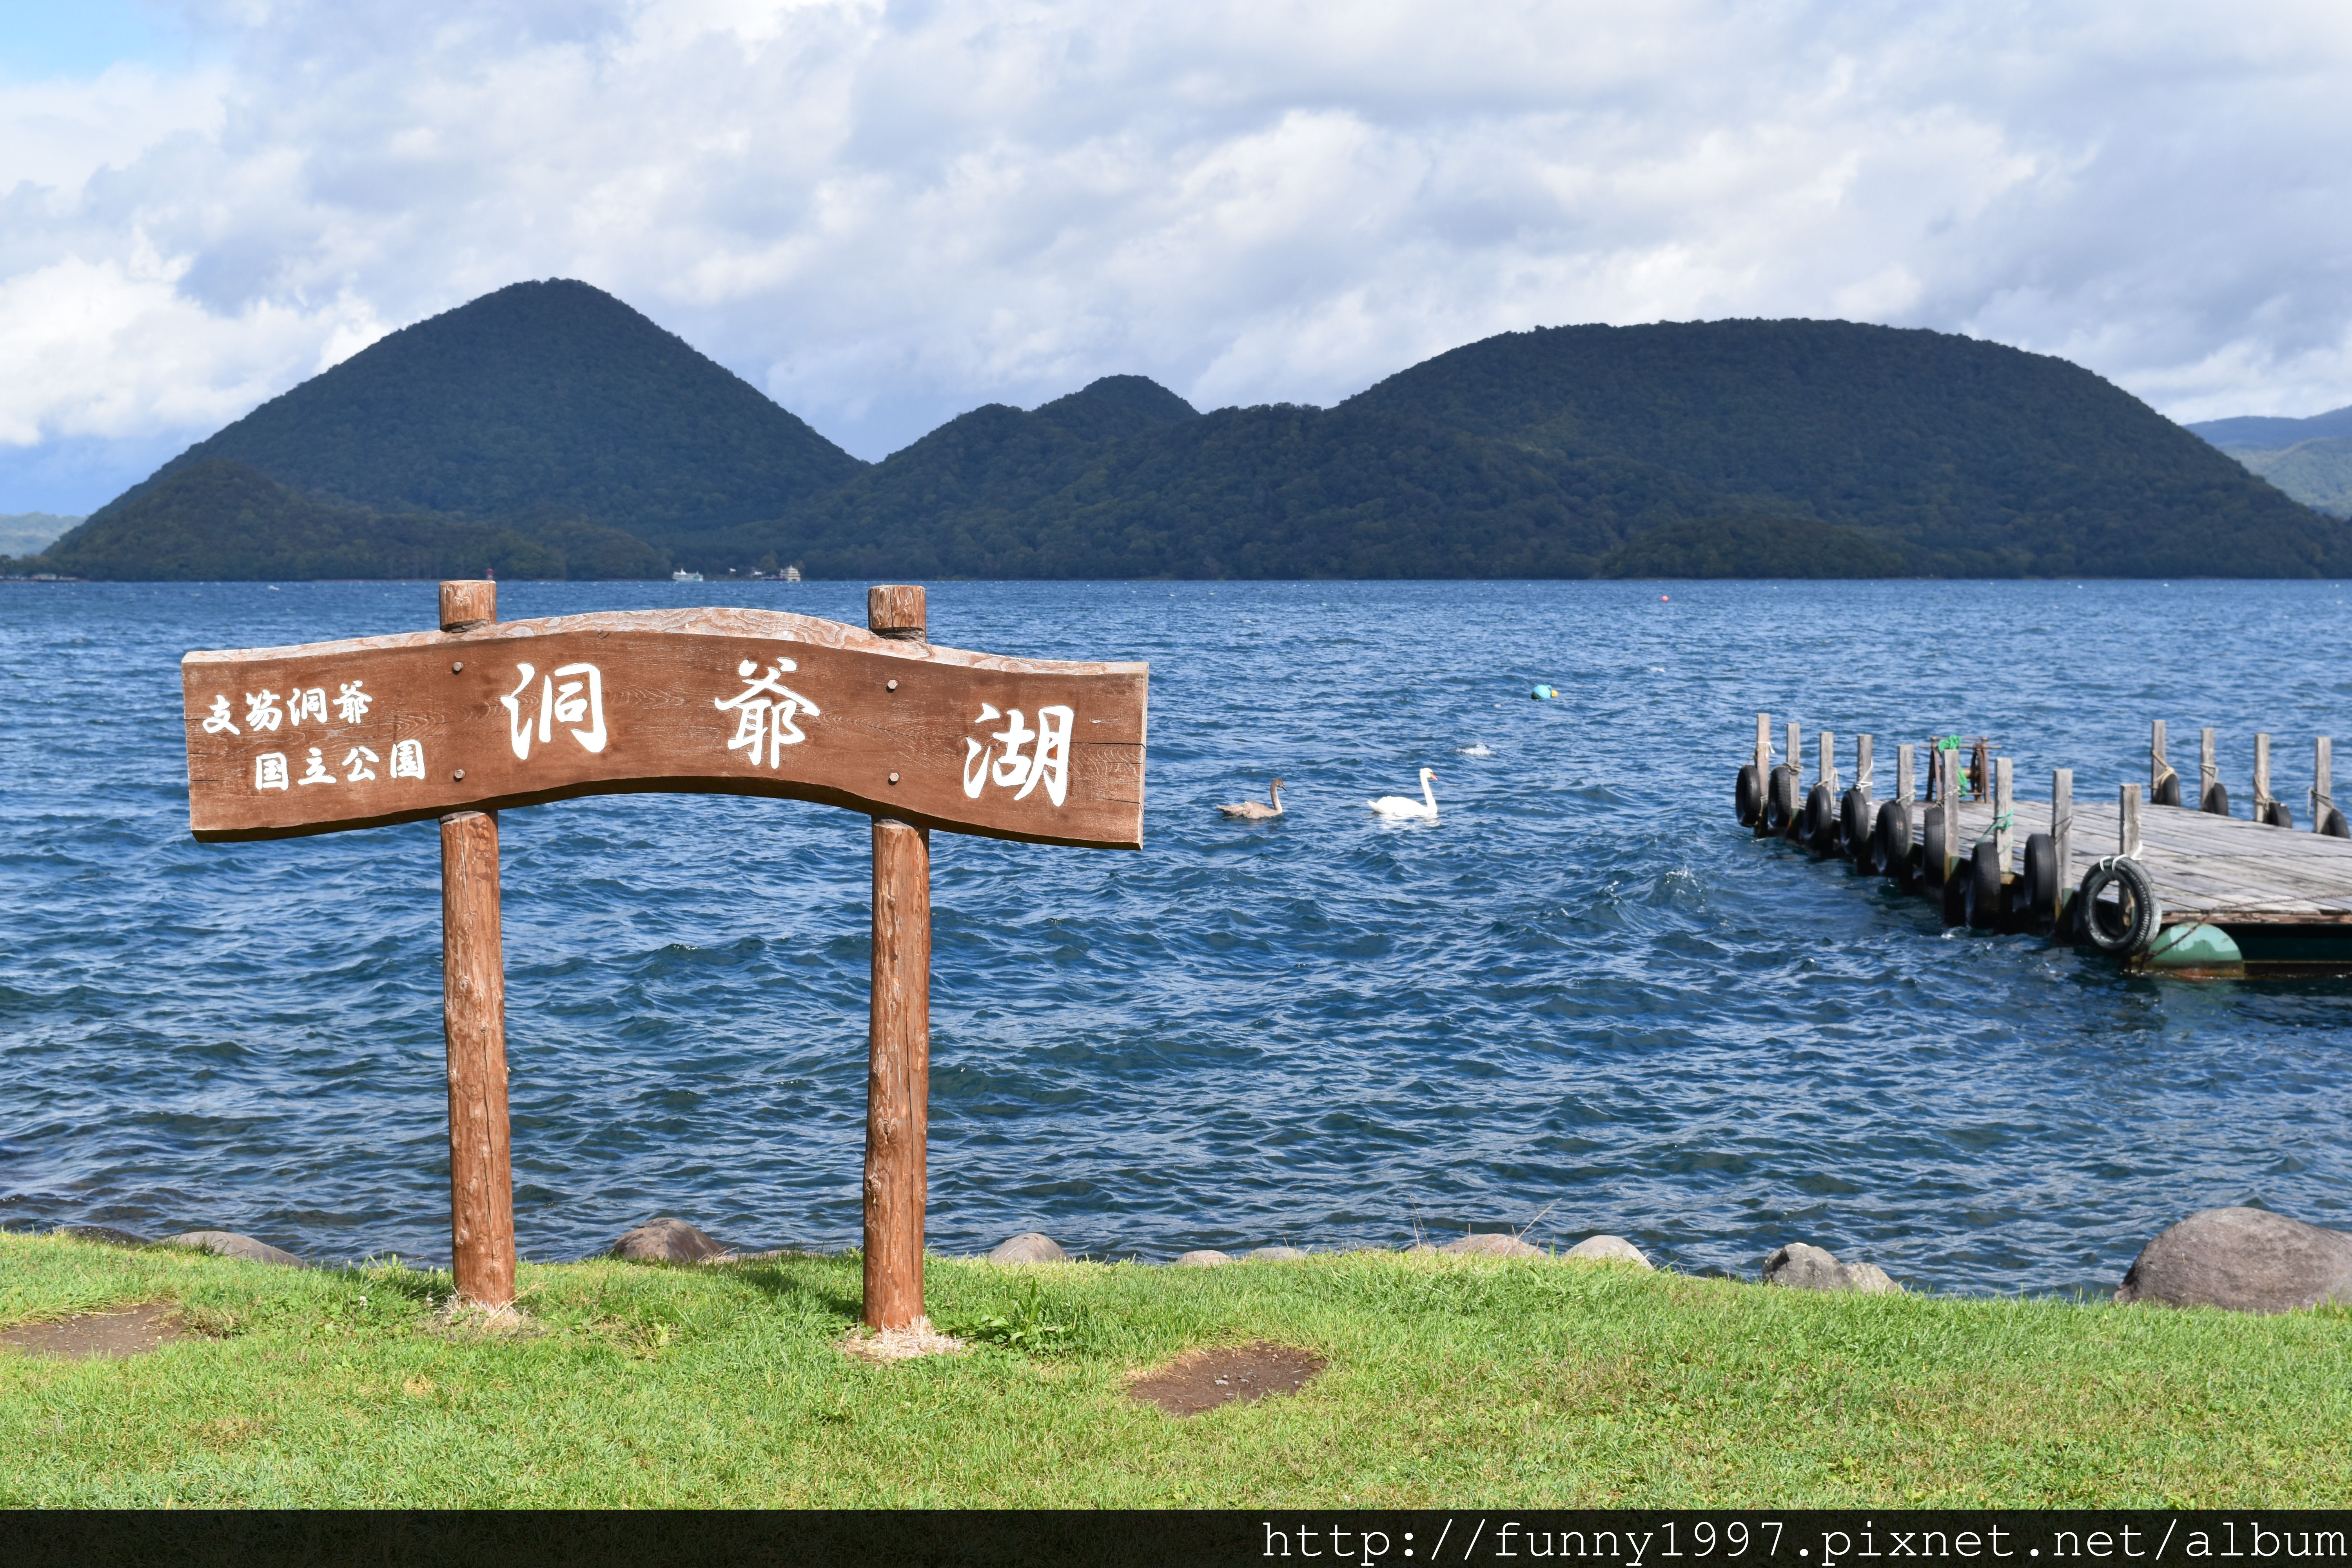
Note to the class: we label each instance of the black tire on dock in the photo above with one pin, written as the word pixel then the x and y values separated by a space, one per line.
pixel 2125 925
pixel 1931 847
pixel 1848 823
pixel 2166 791
pixel 1747 795
pixel 2331 825
pixel 2041 888
pixel 1820 819
pixel 1983 891
pixel 1862 833
pixel 1890 836
pixel 2274 814
pixel 1781 800
pixel 2217 800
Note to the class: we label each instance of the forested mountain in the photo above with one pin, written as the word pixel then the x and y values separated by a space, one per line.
pixel 551 430
pixel 1806 449
pixel 2310 459
pixel 1967 457
pixel 221 520
pixel 550 395
pixel 2264 433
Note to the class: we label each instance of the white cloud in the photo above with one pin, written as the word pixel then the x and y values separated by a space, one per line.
pixel 887 215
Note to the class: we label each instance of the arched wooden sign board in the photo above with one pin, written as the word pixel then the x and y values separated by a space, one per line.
pixel 483 715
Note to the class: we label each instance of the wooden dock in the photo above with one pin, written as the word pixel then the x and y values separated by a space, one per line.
pixel 2192 889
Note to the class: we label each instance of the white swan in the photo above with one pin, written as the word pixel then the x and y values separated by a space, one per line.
pixel 1256 810
pixel 1407 808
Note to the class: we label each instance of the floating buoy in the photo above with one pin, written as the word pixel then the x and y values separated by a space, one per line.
pixel 1544 693
pixel 1666 598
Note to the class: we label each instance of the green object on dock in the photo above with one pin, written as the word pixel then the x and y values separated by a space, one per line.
pixel 2194 946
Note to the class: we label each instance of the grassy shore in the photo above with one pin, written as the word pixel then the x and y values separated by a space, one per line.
pixel 1452 1381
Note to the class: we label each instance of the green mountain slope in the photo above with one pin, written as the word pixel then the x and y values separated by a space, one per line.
pixel 551 430
pixel 2316 473
pixel 1272 491
pixel 550 395
pixel 1967 457
pixel 2310 459
pixel 223 520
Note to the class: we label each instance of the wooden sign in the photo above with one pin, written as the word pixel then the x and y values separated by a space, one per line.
pixel 329 736
pixel 483 715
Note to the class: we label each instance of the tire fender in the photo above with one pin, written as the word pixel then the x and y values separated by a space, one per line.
pixel 2127 925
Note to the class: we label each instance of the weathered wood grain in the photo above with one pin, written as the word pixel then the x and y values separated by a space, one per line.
pixel 323 737
pixel 473 1011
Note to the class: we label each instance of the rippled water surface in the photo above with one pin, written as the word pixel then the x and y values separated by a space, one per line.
pixel 1583 1000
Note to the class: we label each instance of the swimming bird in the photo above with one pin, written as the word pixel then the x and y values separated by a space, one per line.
pixel 1256 810
pixel 1404 806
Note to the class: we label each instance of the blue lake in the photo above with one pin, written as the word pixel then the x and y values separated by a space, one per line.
pixel 1583 1001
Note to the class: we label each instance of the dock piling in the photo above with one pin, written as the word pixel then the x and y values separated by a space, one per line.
pixel 2004 815
pixel 1904 780
pixel 2127 823
pixel 2062 835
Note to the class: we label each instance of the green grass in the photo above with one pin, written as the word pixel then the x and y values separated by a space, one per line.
pixel 1452 1381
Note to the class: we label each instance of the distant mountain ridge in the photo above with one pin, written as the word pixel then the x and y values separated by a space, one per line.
pixel 2266 433
pixel 2310 459
pixel 549 424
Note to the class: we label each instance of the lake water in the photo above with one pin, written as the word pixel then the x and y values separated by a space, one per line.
pixel 1584 1000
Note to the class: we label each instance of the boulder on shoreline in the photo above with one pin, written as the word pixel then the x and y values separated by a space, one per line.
pixel 2243 1261
pixel 1607 1249
pixel 1272 1254
pixel 1029 1247
pixel 668 1240
pixel 1801 1266
pixel 1205 1257
pixel 1491 1243
pixel 229 1244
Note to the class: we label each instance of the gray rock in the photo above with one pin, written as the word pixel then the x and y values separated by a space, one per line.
pixel 1420 1247
pixel 667 1240
pixel 228 1244
pixel 1870 1280
pixel 1798 1267
pixel 1491 1243
pixel 1607 1249
pixel 1029 1247
pixel 1206 1257
pixel 2247 1260
pixel 1273 1253
pixel 105 1234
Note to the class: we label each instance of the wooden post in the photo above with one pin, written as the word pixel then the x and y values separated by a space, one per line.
pixel 2156 766
pixel 2209 771
pixel 1825 763
pixel 898 1071
pixel 1950 783
pixel 474 1020
pixel 1796 752
pixel 2127 823
pixel 1903 778
pixel 2323 781
pixel 2061 837
pixel 1862 760
pixel 2261 775
pixel 1764 750
pixel 2005 808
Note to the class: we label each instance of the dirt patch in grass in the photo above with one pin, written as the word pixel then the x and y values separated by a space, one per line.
pixel 133 1331
pixel 1228 1375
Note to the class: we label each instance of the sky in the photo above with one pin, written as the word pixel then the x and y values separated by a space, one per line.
pixel 884 215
